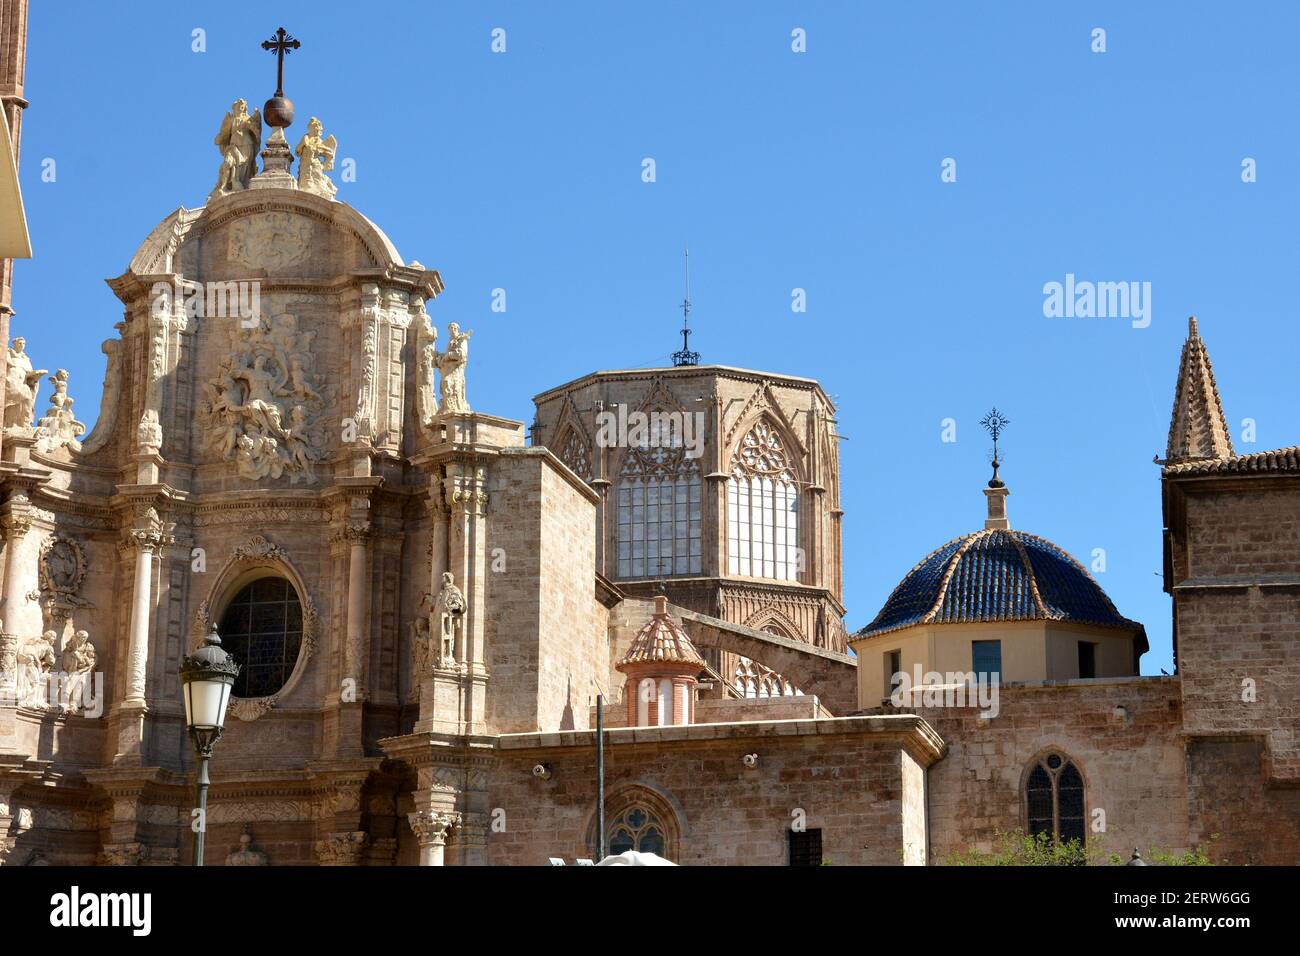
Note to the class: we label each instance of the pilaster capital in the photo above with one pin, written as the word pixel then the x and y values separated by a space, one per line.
pixel 466 490
pixel 343 848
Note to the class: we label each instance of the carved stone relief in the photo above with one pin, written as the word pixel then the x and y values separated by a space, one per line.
pixel 270 240
pixel 264 407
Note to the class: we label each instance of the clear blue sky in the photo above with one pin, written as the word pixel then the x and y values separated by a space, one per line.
pixel 780 170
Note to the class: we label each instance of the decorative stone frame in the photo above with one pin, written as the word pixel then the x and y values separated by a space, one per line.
pixel 255 559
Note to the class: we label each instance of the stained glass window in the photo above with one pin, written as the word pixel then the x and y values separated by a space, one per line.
pixel 262 630
pixel 636 829
pixel 1054 801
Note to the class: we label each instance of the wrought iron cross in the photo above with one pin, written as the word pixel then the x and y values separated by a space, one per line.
pixel 686 356
pixel 995 423
pixel 280 44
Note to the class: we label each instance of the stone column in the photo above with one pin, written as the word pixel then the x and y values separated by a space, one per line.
pixel 431 828
pixel 438 515
pixel 358 534
pixel 471 839
pixel 467 560
pixel 147 542
pixel 15 524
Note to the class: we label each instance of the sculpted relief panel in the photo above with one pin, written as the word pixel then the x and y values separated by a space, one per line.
pixel 273 241
pixel 264 409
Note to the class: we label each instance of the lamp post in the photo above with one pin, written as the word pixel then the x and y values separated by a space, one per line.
pixel 207 676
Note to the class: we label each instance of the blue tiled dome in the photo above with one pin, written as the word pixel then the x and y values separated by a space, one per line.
pixel 998 575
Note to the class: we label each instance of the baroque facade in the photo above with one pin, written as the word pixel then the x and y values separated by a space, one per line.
pixel 427 606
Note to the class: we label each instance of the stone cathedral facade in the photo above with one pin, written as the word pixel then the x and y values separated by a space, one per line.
pixel 426 604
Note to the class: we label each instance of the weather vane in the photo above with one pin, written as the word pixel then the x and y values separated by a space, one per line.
pixel 995 423
pixel 279 110
pixel 685 356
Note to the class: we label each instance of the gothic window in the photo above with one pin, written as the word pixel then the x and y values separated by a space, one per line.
pixel 762 508
pixel 574 453
pixel 754 680
pixel 658 500
pixel 636 828
pixel 262 630
pixel 1054 799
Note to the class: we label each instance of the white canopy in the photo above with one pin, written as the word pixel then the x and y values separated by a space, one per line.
pixel 635 858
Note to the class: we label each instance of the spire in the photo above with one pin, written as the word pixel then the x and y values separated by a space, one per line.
pixel 1197 429
pixel 685 356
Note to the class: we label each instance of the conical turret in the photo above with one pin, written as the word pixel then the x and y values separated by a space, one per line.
pixel 1197 429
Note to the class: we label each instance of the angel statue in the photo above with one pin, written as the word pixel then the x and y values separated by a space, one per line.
pixel 451 364
pixel 315 159
pixel 238 141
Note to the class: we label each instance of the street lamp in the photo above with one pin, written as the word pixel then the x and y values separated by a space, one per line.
pixel 206 678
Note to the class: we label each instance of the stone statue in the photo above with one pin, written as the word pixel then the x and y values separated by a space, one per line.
pixel 238 140
pixel 451 364
pixel 426 395
pixel 58 428
pixel 422 656
pixel 78 665
pixel 316 158
pixel 21 383
pixel 246 855
pixel 450 605
pixel 35 663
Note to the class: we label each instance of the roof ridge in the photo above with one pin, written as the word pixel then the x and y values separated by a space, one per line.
pixel 941 597
pixel 1032 576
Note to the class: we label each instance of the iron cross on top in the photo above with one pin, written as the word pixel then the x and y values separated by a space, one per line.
pixel 280 44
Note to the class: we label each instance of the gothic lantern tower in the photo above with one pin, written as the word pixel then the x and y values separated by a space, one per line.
pixel 662 667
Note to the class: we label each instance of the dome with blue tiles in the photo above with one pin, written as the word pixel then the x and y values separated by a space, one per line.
pixel 997 575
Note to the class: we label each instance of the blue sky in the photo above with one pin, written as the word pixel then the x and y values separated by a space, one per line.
pixel 818 171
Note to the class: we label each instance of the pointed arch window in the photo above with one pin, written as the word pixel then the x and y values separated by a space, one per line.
pixel 658 501
pixel 763 508
pixel 1054 799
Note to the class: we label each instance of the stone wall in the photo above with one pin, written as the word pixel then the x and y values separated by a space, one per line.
pixel 845 776
pixel 546 640
pixel 1132 765
pixel 1236 570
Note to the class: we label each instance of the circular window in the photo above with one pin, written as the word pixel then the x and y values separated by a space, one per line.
pixel 262 630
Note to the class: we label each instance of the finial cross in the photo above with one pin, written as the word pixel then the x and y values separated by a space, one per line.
pixel 280 44
pixel 995 423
